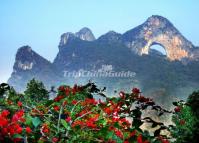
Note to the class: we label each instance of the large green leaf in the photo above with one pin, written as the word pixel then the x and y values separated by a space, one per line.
pixel 28 120
pixel 36 121
pixel 65 124
pixel 17 136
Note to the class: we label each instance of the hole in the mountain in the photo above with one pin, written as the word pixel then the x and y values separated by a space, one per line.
pixel 158 48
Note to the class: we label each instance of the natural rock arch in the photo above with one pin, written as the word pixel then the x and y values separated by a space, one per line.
pixel 158 30
pixel 160 48
pixel 173 48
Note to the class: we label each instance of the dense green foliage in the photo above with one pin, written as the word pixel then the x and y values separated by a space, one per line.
pixel 186 120
pixel 36 91
pixel 75 116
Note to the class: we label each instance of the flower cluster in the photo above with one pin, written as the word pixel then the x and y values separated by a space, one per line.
pixel 13 127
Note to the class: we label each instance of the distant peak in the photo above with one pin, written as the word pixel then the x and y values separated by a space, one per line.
pixel 26 59
pixel 110 36
pixel 158 30
pixel 25 48
pixel 112 32
pixel 84 30
pixel 157 17
pixel 157 20
pixel 23 52
pixel 85 34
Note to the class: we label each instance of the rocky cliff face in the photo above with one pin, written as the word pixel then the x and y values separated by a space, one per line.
pixel 158 30
pixel 26 59
pixel 110 37
pixel 84 34
pixel 28 64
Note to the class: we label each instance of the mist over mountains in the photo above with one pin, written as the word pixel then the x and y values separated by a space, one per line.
pixel 175 74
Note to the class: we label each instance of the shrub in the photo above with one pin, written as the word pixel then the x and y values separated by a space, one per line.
pixel 75 116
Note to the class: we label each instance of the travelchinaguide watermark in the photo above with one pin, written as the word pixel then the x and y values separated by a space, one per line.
pixel 98 74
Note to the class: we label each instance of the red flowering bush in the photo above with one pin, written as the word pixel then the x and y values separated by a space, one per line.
pixel 75 115
pixel 13 127
pixel 186 123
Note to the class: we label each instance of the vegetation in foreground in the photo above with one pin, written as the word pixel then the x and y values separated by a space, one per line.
pixel 74 115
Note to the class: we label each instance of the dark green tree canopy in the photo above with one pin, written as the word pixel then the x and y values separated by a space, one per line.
pixel 36 90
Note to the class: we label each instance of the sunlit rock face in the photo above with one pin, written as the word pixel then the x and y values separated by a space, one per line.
pixel 158 30
pixel 65 38
pixel 84 34
pixel 28 64
pixel 26 59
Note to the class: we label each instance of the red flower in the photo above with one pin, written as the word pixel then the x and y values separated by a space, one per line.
pixel 91 124
pixel 108 110
pixel 67 91
pixel 61 88
pixel 90 101
pixel 19 103
pixel 28 130
pixel 74 102
pixel 45 128
pixel 94 118
pixel 56 108
pixel 78 123
pixel 4 131
pixel 18 116
pixel 119 134
pixel 68 119
pixel 133 133
pixel 177 109
pixel 12 131
pixel 3 122
pixel 136 91
pixel 55 140
pixel 75 89
pixel 19 130
pixel 5 113
pixel 139 139
pixel 58 98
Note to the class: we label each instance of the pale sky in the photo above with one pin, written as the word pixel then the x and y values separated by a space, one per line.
pixel 39 23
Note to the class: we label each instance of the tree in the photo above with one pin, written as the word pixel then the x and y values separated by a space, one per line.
pixel 36 91
pixel 193 102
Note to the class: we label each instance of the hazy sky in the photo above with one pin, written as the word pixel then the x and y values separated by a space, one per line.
pixel 39 23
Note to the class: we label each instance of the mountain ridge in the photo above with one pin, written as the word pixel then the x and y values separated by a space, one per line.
pixel 129 51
